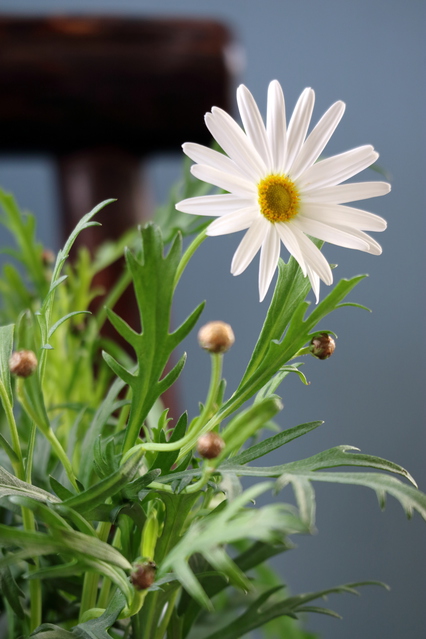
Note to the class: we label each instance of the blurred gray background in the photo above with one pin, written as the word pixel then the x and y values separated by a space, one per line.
pixel 371 54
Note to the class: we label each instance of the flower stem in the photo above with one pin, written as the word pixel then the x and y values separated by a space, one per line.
pixel 90 585
pixel 161 630
pixel 215 377
pixel 27 515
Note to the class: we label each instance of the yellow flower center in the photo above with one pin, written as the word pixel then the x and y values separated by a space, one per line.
pixel 278 198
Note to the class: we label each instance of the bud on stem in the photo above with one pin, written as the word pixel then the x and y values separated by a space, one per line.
pixel 216 337
pixel 23 363
pixel 322 346
pixel 210 445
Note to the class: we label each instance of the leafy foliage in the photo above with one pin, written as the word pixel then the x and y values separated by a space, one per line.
pixel 98 484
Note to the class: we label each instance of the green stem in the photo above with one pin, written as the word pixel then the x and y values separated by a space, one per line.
pixel 215 377
pixel 62 456
pixel 14 435
pixel 30 453
pixel 90 585
pixel 27 515
pixel 161 630
pixel 188 254
pixel 48 433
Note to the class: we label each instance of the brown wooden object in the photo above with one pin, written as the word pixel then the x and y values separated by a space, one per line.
pixel 100 94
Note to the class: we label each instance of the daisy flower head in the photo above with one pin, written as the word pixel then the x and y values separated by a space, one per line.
pixel 278 190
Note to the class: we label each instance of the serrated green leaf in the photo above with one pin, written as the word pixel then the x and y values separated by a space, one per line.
pixel 132 490
pixel 259 613
pixel 409 497
pixel 106 488
pixel 97 628
pixel 165 459
pixel 95 429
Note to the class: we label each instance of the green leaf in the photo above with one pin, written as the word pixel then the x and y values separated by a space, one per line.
pixel 8 449
pixel 275 381
pixel 97 628
pixel 11 591
pixel 271 354
pixel 44 316
pixel 291 288
pixel 72 542
pixel 225 526
pixel 410 498
pixel 272 443
pixel 247 423
pixel 6 347
pixel 106 488
pixel 132 490
pixel 11 485
pixel 22 226
pixel 344 456
pixel 154 282
pixel 62 492
pixel 64 319
pixel 165 459
pixel 51 631
pixel 259 613
pixel 95 429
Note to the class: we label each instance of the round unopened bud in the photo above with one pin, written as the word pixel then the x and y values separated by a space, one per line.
pixel 22 363
pixel 210 445
pixel 216 337
pixel 322 346
pixel 143 575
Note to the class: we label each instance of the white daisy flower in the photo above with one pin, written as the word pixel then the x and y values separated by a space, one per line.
pixel 277 189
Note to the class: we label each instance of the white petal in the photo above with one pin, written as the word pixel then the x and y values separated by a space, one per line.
pixel 235 143
pixel 211 205
pixel 276 126
pixel 331 234
pixel 204 155
pixel 337 169
pixel 288 239
pixel 373 247
pixel 233 222
pixel 269 255
pixel 315 282
pixel 312 255
pixel 249 246
pixel 298 126
pixel 253 123
pixel 231 183
pixel 318 139
pixel 351 192
pixel 335 214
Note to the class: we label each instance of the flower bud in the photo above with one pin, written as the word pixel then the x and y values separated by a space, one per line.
pixel 143 575
pixel 322 346
pixel 216 337
pixel 210 445
pixel 23 363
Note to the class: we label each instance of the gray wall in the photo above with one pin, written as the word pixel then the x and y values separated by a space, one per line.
pixel 369 53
